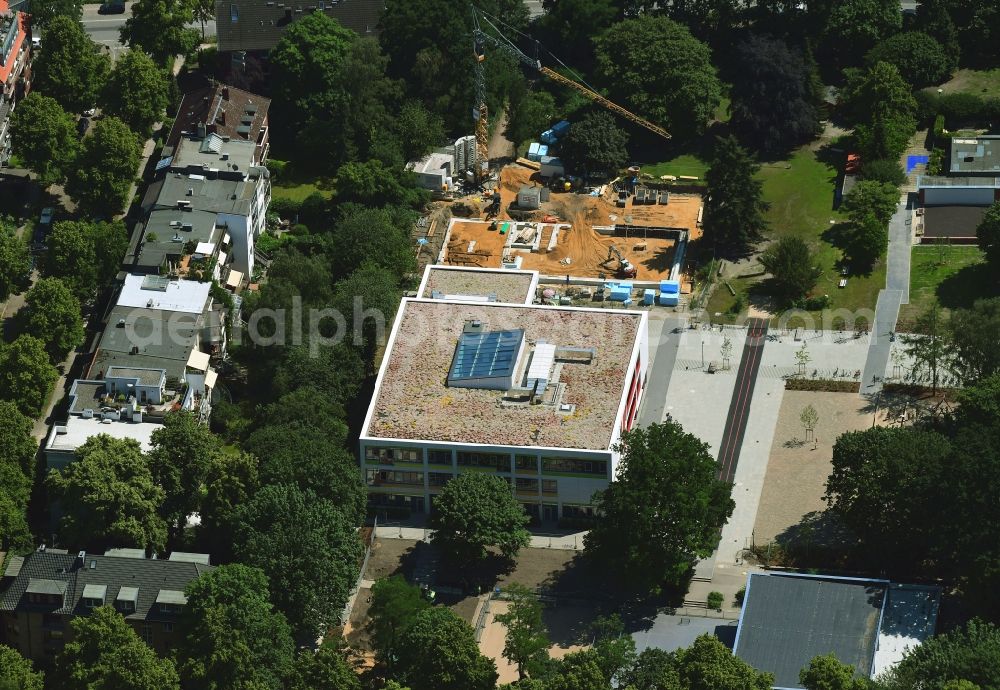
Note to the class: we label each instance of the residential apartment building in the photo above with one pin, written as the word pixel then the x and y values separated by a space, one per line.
pixel 204 210
pixel 42 592
pixel 15 68
pixel 476 378
pixel 227 111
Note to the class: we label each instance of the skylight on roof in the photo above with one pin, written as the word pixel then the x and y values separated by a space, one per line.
pixel 486 360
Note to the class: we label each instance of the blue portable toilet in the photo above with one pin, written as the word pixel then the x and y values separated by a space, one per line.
pixel 648 296
pixel 533 154
pixel 619 293
pixel 543 150
pixel 671 287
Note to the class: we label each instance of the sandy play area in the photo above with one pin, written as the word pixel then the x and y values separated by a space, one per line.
pixel 579 250
pixel 796 473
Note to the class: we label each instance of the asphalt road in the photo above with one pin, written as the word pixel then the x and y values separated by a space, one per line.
pixel 103 28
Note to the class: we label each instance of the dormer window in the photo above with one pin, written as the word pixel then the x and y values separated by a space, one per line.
pixel 93 595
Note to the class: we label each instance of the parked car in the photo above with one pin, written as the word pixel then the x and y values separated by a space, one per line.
pixel 46 217
pixel 82 125
pixel 36 42
pixel 89 112
pixel 112 7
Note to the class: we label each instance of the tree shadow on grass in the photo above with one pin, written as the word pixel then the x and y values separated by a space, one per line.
pixel 818 540
pixel 965 286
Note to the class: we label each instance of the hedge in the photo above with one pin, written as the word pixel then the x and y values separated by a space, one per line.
pixel 828 385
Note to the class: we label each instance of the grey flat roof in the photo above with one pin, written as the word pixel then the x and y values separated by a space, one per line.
pixel 84 394
pixel 171 596
pixel 188 557
pixel 961 181
pixel 125 553
pixel 146 377
pixel 163 340
pixel 975 155
pixel 788 620
pixel 952 221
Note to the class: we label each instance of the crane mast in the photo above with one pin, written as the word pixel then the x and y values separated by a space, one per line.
pixel 481 112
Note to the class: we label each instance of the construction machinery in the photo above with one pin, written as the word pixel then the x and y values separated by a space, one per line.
pixel 624 268
pixel 481 111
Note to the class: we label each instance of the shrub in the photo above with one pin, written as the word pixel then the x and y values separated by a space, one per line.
pixel 827 385
pixel 883 170
pixel 740 595
pixel 715 600
pixel 285 208
pixel 276 167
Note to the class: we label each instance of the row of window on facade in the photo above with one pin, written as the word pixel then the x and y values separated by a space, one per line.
pixel 496 461
pixel 438 479
pixel 543 511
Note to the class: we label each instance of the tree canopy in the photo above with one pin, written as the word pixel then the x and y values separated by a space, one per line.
pixel 968 654
pixel 880 198
pixel 307 548
pixel 772 103
pixel 438 651
pixel 160 28
pixel 325 669
pixel 854 26
pixel 657 69
pixel 43 135
pixel 108 497
pixel 829 673
pixel 182 452
pixel 70 69
pixel 16 672
pixel 86 255
pixel 26 375
pixel 595 144
pixel 14 261
pixel 988 234
pixel 52 314
pixel 792 267
pixel 106 652
pixel 231 637
pixel 136 92
pixel 105 169
pixel 526 641
pixel 734 211
pixel 44 12
pixel 477 511
pixel 920 59
pixel 395 604
pixel 972 337
pixel 663 471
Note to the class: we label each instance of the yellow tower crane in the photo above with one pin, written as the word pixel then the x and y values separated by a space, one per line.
pixel 481 113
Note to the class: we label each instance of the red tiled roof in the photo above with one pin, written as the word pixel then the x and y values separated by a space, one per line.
pixel 8 66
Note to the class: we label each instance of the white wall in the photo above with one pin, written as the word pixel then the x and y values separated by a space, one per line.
pixel 243 241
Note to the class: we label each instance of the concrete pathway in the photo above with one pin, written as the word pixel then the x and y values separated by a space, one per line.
pixel 896 293
pixel 664 345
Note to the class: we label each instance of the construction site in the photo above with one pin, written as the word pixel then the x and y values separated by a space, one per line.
pixel 582 235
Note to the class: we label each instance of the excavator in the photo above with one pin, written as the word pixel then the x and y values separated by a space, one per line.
pixel 499 41
pixel 624 268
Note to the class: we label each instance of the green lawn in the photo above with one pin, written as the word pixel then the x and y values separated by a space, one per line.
pixel 800 192
pixel 952 276
pixel 685 164
pixel 980 82
pixel 299 190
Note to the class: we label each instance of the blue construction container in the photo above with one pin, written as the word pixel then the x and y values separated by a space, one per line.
pixel 668 300
pixel 560 128
pixel 671 287
pixel 620 294
pixel 533 154
pixel 549 137
pixel 543 150
pixel 648 296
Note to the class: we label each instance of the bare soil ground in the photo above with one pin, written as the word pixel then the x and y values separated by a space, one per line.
pixel 388 558
pixel 585 248
pixel 796 471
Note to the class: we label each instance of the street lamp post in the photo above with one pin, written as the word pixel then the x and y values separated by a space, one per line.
pixel 702 354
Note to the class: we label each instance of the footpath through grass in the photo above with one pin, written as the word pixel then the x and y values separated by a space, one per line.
pixel 984 82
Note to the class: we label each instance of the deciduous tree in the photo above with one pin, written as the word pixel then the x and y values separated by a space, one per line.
pixel 70 69
pixel 972 336
pixel 475 512
pixel 854 26
pixel 230 634
pixel 307 548
pixel 17 446
pixel 16 672
pixel 877 92
pixel 183 451
pixel 965 654
pixel 106 652
pixel 867 239
pixel 879 198
pixel 324 669
pixel 928 345
pixel 708 664
pixel 920 59
pixel 377 236
pixel 530 115
pixel 108 497
pixel 663 472
pixel 772 103
pixel 44 12
pixel 792 267
pixel 881 486
pixel 438 651
pixel 52 314
pixel 230 481
pixel 829 673
pixel 105 169
pixel 595 144
pixel 657 69
pixel 14 261
pixel 136 92
pixel 395 604
pixel 26 375
pixel 43 135
pixel 734 210
pixel 160 28
pixel 527 641
pixel 418 130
